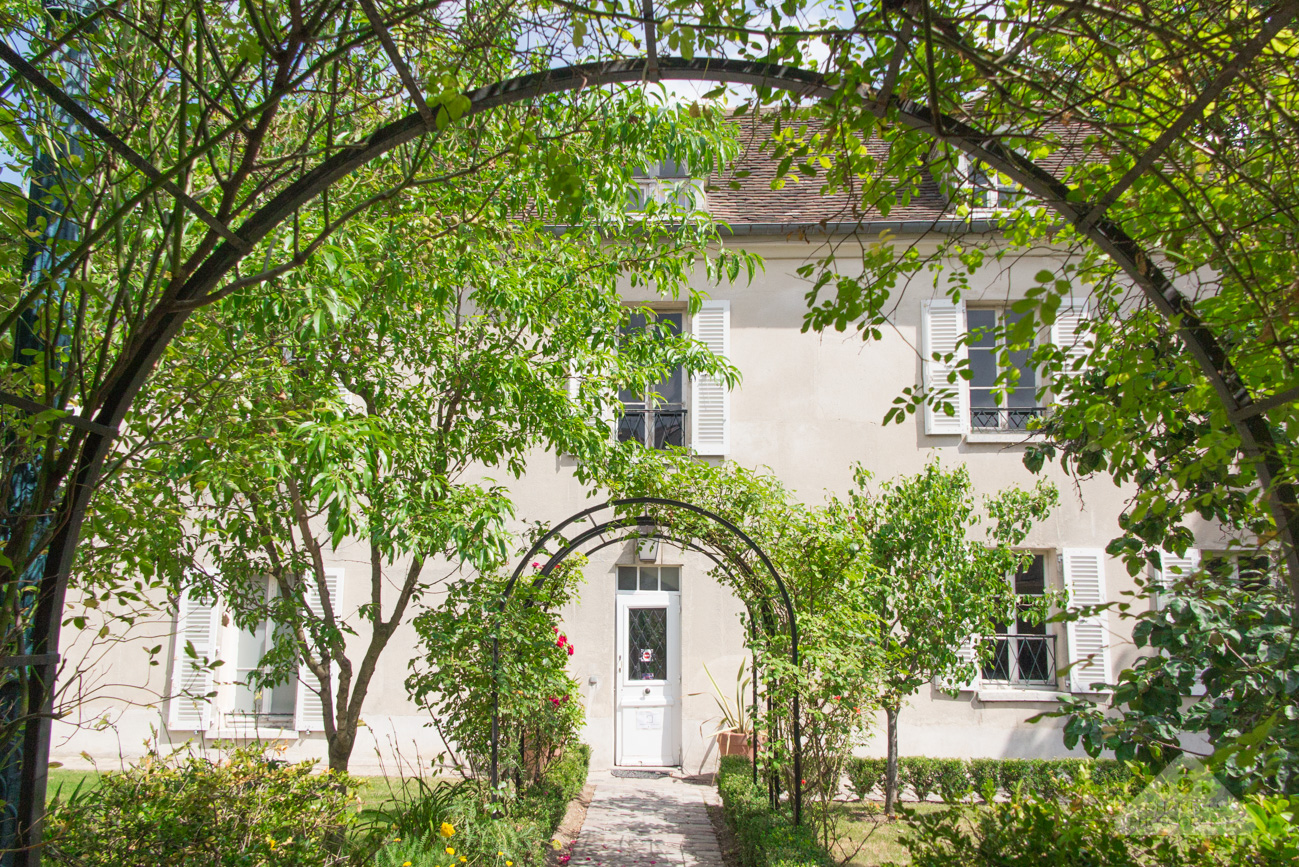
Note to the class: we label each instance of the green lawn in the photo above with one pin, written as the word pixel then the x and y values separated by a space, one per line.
pixel 67 781
pixel 869 838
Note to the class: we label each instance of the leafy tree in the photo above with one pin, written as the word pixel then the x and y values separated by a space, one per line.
pixel 363 406
pixel 930 585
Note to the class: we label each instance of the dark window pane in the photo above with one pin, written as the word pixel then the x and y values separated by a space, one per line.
pixel 983 367
pixel 1031 580
pixel 1253 572
pixel 626 577
pixel 981 323
pixel 983 397
pixel 669 577
pixel 649 578
pixel 647 643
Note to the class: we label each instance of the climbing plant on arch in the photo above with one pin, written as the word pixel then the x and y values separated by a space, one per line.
pixel 219 145
pixel 742 565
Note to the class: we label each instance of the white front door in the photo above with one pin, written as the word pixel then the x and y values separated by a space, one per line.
pixel 648 730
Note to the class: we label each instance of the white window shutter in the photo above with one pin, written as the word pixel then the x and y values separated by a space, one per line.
pixel 1066 335
pixel 711 402
pixel 942 325
pixel 1174 569
pixel 308 711
pixel 1088 637
pixel 967 653
pixel 192 678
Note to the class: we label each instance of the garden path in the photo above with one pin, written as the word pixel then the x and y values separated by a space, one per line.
pixel 638 822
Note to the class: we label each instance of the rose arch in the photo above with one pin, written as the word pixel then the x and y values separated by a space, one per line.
pixel 37 657
pixel 743 565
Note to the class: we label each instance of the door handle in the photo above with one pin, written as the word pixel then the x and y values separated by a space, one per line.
pixel 647 691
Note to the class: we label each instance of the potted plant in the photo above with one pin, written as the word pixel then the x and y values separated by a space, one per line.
pixel 733 734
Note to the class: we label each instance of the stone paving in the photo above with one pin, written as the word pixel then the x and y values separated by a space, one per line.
pixel 660 822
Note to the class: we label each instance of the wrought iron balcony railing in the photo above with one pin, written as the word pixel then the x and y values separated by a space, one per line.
pixel 656 428
pixel 1022 659
pixel 1000 418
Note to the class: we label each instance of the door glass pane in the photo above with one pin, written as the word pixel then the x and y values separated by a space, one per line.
pixel 647 643
pixel 669 577
pixel 649 578
pixel 626 577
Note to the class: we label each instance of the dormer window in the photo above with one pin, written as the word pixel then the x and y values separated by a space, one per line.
pixel 984 188
pixel 667 183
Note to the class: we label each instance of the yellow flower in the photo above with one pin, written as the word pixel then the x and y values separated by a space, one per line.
pixel 450 851
pixel 405 864
pixel 463 859
pixel 509 864
pixel 448 830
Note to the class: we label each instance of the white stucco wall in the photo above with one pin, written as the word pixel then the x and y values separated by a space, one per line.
pixel 809 407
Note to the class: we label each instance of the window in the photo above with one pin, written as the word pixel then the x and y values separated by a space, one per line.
pixel 1024 653
pixel 991 409
pixel 198 702
pixel 667 183
pixel 986 189
pixel 270 704
pixel 650 578
pixel 656 417
pixel 953 336
pixel 1250 572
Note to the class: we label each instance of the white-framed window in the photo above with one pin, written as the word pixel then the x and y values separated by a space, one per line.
pixel 665 579
pixel 667 182
pixel 993 408
pixel 674 412
pixel 954 335
pixel 264 705
pixel 984 188
pixel 656 417
pixel 1024 653
pixel 206 698
pixel 1247 571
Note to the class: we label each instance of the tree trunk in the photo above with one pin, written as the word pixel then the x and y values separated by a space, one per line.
pixel 891 768
pixel 340 747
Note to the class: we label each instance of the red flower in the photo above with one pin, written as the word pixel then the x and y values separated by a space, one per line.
pixel 570 650
pixel 561 641
pixel 554 629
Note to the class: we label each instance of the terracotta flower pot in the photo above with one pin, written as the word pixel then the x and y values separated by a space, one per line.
pixel 734 744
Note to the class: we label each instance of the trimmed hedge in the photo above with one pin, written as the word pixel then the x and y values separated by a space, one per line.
pixel 957 779
pixel 767 837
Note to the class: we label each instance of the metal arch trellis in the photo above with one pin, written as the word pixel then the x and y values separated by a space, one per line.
pixel 1246 414
pixel 657 532
pixel 598 531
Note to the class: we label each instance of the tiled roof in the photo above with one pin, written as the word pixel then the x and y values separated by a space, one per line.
pixel 799 202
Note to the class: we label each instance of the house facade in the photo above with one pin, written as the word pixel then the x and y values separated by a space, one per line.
pixel 651 623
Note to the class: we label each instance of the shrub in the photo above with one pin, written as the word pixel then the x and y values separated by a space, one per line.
pixel 1016 776
pixel 184 809
pixel 920 773
pixel 1109 773
pixel 767 837
pixel 985 777
pixel 1085 829
pixel 953 780
pixel 522 831
pixel 865 775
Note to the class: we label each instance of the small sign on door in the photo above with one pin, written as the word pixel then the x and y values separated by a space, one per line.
pixel 647 655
